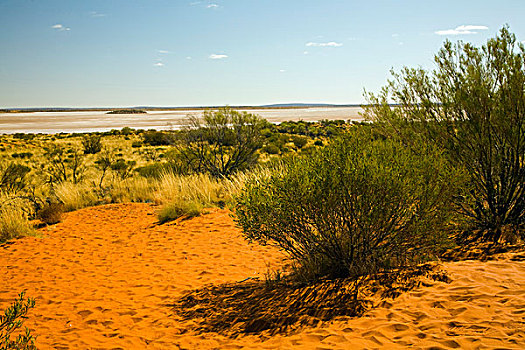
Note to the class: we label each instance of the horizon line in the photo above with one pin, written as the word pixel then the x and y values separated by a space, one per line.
pixel 103 108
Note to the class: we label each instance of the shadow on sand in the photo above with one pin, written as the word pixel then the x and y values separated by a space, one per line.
pixel 277 307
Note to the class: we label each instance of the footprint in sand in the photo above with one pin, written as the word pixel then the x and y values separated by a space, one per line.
pixel 85 313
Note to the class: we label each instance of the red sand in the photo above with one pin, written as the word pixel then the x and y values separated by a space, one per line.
pixel 103 279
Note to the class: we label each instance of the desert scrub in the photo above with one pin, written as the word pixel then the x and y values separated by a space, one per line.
pixel 354 208
pixel 12 321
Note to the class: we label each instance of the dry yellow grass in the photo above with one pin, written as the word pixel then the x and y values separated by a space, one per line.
pixel 13 218
pixel 75 196
pixel 134 189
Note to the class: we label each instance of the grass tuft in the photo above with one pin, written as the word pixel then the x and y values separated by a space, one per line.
pixel 75 196
pixel 180 208
pixel 14 224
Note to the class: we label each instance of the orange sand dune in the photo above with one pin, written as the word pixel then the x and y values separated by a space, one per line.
pixel 105 276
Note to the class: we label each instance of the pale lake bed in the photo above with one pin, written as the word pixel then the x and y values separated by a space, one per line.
pixel 71 122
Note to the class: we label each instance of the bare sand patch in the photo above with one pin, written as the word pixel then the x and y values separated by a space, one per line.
pixel 104 278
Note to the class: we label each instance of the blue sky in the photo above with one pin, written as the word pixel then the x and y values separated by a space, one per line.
pixel 78 53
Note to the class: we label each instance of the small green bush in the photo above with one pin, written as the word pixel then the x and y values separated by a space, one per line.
pixel 353 208
pixel 62 165
pixel 299 141
pixel 11 321
pixel 156 138
pixel 271 149
pixel 92 143
pixel 22 155
pixel 22 136
pixel 123 168
pixel 222 143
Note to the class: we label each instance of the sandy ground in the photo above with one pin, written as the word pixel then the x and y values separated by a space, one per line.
pixel 104 279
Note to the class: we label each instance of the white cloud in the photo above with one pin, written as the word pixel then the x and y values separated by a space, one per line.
pixel 214 56
pixel 471 27
pixel 212 6
pixel 462 30
pixel 282 70
pixel 328 44
pixel 163 51
pixel 188 57
pixel 305 52
pixel 60 27
pixel 195 3
pixel 395 35
pixel 96 14
pixel 159 64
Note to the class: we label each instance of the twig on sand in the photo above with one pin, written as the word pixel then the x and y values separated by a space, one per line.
pixel 248 278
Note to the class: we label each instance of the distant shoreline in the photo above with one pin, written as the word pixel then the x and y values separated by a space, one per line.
pixel 150 108
pixel 74 121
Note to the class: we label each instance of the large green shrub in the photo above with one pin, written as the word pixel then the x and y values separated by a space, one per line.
pixel 472 105
pixel 354 208
pixel 222 142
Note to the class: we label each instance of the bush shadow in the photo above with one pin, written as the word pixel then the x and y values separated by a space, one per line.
pixel 251 307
